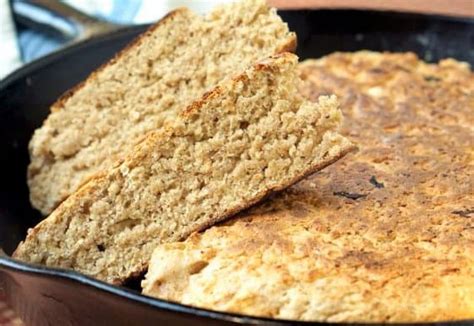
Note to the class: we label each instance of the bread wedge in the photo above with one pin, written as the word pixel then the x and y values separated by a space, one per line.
pixel 248 137
pixel 145 85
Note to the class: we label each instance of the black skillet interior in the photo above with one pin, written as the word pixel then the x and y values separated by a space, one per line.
pixel 46 296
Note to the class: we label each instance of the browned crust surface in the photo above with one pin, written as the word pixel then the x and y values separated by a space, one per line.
pixel 385 235
pixel 291 45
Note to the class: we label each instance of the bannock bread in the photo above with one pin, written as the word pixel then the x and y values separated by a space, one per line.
pixel 144 86
pixel 251 135
pixel 384 235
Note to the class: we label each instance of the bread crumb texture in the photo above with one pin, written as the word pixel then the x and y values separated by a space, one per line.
pixel 142 88
pixel 385 235
pixel 251 135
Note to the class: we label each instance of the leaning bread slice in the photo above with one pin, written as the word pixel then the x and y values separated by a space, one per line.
pixel 164 70
pixel 249 136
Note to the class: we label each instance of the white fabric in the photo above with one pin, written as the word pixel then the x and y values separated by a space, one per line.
pixel 9 52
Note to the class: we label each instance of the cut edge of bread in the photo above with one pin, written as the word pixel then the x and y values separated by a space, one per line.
pixel 59 103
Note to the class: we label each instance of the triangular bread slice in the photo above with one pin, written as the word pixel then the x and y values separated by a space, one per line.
pixel 174 63
pixel 250 136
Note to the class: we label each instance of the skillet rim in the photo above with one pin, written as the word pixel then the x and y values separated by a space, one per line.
pixel 9 265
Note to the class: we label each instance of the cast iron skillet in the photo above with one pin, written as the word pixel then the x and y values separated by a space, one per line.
pixel 44 296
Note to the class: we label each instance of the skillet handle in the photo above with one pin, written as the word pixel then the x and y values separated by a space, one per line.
pixel 60 20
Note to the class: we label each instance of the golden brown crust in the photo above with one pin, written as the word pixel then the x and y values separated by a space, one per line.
pixel 385 235
pixel 290 46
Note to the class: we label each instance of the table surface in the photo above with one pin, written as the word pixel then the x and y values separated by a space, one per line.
pixel 451 7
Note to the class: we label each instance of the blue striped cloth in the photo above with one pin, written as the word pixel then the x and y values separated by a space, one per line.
pixel 34 44
pixel 24 45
